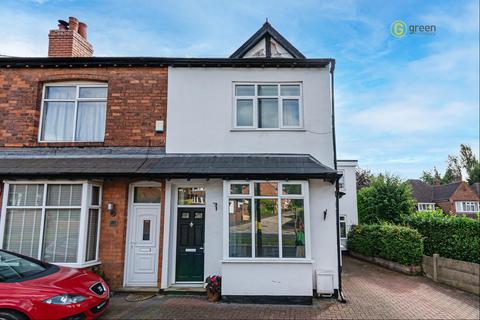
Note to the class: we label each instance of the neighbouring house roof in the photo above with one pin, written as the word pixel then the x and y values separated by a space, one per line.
pixel 424 192
pixel 476 188
pixel 118 161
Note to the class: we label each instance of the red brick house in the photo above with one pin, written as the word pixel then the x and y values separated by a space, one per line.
pixel 452 198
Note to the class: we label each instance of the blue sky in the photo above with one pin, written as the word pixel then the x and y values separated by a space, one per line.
pixel 402 104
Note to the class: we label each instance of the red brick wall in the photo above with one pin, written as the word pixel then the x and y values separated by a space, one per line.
pixel 137 97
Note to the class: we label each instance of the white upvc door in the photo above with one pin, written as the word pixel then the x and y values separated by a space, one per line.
pixel 143 247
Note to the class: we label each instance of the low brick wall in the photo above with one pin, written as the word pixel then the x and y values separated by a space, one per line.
pixel 411 270
pixel 459 274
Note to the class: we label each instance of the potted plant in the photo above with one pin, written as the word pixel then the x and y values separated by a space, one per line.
pixel 214 288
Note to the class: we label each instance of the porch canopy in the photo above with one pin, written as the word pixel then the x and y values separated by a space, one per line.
pixel 96 162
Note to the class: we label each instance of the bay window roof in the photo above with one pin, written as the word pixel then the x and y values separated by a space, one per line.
pixel 128 161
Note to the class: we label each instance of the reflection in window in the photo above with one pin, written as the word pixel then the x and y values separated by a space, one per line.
pixel 147 195
pixel 240 188
pixel 240 222
pixel 343 227
pixel 266 188
pixel 266 212
pixel 191 196
pixel 293 228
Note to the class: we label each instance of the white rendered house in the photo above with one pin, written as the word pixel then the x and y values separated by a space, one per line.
pixel 270 224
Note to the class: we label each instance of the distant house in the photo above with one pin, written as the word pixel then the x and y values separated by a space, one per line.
pixel 453 198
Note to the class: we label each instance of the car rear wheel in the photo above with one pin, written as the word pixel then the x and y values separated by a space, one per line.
pixel 12 315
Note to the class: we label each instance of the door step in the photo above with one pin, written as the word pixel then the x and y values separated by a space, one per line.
pixel 184 291
pixel 138 289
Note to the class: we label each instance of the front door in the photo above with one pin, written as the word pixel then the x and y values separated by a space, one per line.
pixel 190 240
pixel 142 260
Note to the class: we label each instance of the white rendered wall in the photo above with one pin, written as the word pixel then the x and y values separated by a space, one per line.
pixel 200 113
pixel 348 202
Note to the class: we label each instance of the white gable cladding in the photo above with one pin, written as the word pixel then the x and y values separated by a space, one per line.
pixel 200 113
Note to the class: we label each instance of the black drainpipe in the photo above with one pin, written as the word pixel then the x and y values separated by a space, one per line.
pixel 337 189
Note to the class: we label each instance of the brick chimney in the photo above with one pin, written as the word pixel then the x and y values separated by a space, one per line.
pixel 69 40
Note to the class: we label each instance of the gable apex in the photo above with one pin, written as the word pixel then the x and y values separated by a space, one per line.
pixel 267 43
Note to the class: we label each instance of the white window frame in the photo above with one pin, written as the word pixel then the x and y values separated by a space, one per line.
pixel 462 206
pixel 425 206
pixel 280 106
pixel 77 85
pixel 343 219
pixel 252 197
pixel 84 209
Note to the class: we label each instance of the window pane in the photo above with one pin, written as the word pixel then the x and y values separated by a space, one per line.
pixel 343 229
pixel 244 113
pixel 289 90
pixel 68 93
pixel 92 235
pixel 92 92
pixel 291 112
pixel 146 230
pixel 292 189
pixel 25 195
pixel 91 121
pixel 60 238
pixel 191 196
pixel 245 90
pixel 64 195
pixel 13 267
pixel 266 212
pixel 240 227
pixel 266 188
pixel 58 121
pixel 22 231
pixel 147 195
pixel 268 90
pixel 268 113
pixel 243 188
pixel 293 228
pixel 95 199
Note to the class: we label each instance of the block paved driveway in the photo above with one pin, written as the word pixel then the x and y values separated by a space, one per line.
pixel 372 293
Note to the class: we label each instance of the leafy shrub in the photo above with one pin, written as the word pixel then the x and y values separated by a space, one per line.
pixel 386 199
pixel 454 237
pixel 388 241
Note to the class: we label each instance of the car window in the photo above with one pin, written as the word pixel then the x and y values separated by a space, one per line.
pixel 15 267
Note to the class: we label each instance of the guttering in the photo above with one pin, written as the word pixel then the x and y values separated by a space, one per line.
pixel 86 62
pixel 337 186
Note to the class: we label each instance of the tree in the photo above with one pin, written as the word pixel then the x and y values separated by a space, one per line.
pixel 364 177
pixel 388 198
pixel 467 160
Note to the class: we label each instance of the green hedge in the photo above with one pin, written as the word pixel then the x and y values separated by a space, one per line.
pixel 388 241
pixel 454 237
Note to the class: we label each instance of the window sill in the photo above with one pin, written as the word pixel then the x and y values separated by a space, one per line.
pixel 267 261
pixel 79 265
pixel 267 129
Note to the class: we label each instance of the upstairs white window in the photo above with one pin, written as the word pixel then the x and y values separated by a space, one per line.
pixel 467 206
pixel 343 227
pixel 341 180
pixel 73 112
pixel 426 206
pixel 268 106
pixel 52 221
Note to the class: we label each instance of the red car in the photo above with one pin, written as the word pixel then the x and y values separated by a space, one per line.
pixel 32 289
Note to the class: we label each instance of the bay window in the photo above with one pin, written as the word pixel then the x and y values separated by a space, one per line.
pixel 56 221
pixel 266 219
pixel 73 112
pixel 267 106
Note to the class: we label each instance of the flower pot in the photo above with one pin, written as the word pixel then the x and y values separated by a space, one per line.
pixel 213 296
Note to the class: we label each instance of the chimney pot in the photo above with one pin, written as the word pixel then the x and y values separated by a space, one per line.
pixel 73 24
pixel 82 29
